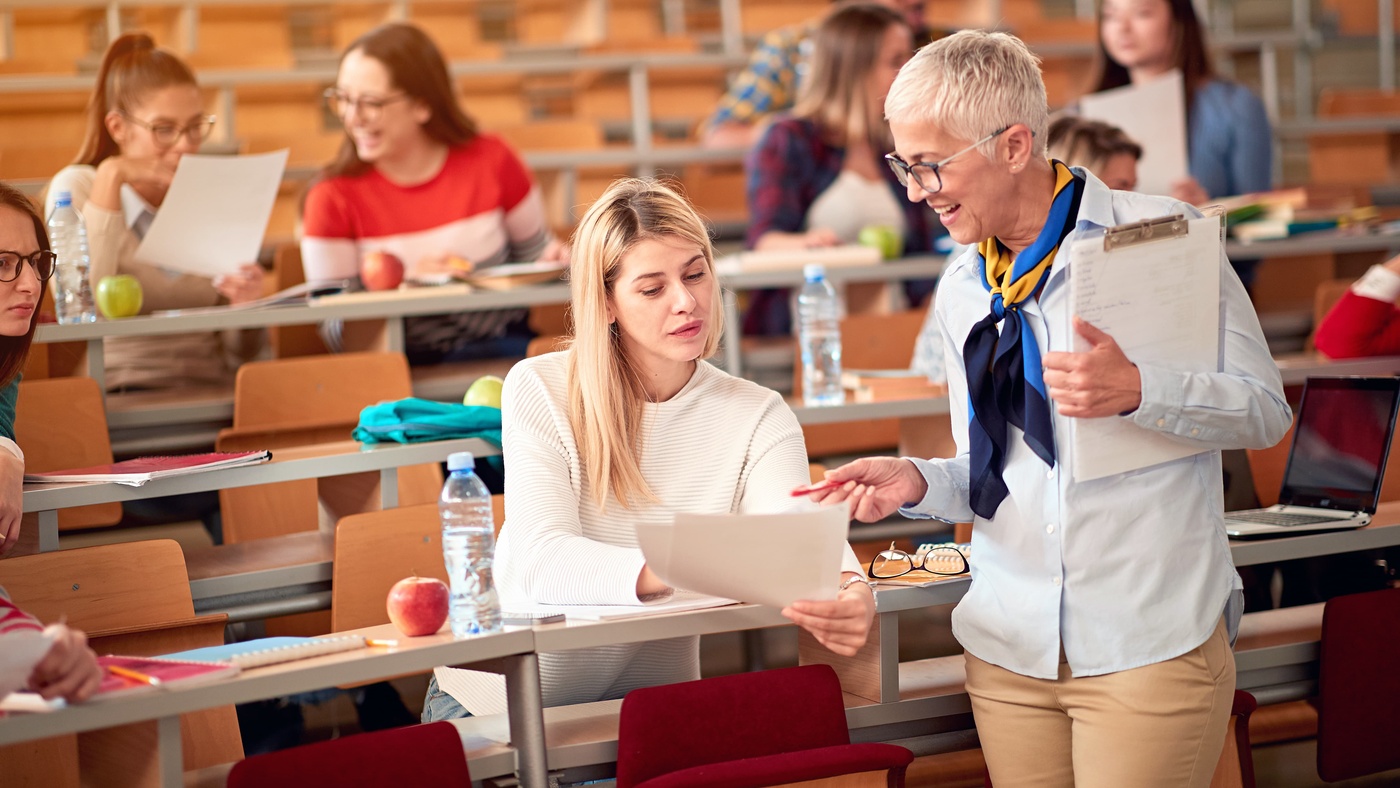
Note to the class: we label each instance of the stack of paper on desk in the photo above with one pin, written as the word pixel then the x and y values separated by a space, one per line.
pixel 678 602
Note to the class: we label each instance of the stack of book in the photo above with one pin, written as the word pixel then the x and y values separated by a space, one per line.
pixel 880 385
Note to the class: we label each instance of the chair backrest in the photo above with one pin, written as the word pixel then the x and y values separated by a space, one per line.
pixel 104 587
pixel 291 341
pixel 424 755
pixel 747 715
pixel 314 390
pixel 1358 708
pixel 130 598
pixel 62 423
pixel 375 550
pixel 1327 294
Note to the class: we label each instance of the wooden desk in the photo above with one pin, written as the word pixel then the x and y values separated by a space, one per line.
pixel 510 651
pixel 307 462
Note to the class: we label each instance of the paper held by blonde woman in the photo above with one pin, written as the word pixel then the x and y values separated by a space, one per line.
pixel 769 559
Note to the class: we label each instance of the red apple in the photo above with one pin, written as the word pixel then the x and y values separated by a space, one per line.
pixel 381 270
pixel 418 605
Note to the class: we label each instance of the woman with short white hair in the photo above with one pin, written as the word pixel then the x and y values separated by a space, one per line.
pixel 1098 625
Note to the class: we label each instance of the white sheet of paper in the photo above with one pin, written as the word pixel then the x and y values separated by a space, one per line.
pixel 675 603
pixel 214 216
pixel 770 559
pixel 1154 115
pixel 1160 301
pixel 19 653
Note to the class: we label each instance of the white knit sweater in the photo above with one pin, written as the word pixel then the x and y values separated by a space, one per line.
pixel 721 445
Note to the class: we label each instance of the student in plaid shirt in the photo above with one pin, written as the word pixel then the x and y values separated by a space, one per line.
pixel 777 67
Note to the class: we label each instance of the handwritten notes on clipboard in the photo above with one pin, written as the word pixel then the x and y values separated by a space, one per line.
pixel 1155 288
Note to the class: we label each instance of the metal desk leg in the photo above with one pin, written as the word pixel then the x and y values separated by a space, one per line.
pixel 170 757
pixel 389 488
pixel 48 531
pixel 525 702
pixel 733 333
pixel 393 334
pixel 97 365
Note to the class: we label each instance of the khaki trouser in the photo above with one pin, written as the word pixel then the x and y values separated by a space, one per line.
pixel 1157 725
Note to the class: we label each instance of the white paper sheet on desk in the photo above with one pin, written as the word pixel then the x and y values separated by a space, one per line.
pixel 214 215
pixel 1160 301
pixel 769 559
pixel 19 653
pixel 1153 114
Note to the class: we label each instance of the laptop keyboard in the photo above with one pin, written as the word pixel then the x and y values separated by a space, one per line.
pixel 1278 518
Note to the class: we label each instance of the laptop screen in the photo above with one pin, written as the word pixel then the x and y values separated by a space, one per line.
pixel 1340 443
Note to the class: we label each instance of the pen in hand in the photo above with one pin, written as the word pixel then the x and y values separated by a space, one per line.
pixel 818 487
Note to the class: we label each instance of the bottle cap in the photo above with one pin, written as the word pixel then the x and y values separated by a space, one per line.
pixel 459 460
pixel 814 272
pixel 63 200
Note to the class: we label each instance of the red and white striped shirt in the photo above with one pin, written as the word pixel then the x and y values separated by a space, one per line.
pixel 12 619
pixel 483 206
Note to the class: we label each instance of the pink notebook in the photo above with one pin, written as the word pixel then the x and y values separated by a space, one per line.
pixel 138 471
pixel 121 673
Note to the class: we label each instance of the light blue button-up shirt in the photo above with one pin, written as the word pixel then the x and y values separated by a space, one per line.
pixel 1127 570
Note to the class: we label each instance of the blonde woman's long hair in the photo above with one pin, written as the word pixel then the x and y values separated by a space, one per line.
pixel 835 94
pixel 606 398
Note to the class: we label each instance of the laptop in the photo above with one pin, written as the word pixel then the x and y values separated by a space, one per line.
pixel 1336 462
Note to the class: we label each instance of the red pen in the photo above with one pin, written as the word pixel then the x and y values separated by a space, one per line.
pixel 818 487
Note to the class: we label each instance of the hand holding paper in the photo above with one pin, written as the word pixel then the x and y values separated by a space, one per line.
pixel 1096 383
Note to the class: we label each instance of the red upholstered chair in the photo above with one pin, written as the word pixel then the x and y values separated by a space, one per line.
pixel 417 755
pixel 1358 708
pixel 751 729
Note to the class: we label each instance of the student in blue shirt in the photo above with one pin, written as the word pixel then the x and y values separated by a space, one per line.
pixel 1098 624
pixel 1229 142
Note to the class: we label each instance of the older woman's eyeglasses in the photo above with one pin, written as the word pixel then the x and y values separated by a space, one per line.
pixel 165 134
pixel 903 170
pixel 12 262
pixel 936 559
pixel 368 108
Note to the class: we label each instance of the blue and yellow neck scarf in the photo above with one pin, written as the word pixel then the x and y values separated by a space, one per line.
pixel 1004 383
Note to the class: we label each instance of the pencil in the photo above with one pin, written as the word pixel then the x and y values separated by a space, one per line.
pixel 134 675
pixel 371 642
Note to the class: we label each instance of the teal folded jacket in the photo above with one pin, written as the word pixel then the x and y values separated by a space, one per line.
pixel 412 420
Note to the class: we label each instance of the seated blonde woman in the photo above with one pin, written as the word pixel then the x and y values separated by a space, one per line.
pixel 631 425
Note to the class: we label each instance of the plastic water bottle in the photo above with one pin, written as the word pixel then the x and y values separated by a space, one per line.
pixel 819 333
pixel 72 292
pixel 468 545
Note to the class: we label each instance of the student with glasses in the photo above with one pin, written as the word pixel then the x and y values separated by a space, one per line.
pixel 416 178
pixel 146 112
pixel 816 178
pixel 69 668
pixel 631 425
pixel 1098 625
pixel 26 265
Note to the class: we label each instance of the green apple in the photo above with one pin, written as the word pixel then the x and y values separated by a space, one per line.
pixel 882 237
pixel 485 391
pixel 119 296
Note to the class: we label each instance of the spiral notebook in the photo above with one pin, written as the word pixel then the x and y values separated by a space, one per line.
pixel 271 651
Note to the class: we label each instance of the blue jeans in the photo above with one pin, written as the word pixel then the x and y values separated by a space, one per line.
pixel 438 705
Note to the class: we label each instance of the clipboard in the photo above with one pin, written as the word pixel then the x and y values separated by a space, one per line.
pixel 1154 286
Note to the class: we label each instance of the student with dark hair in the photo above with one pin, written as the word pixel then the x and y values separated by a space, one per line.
pixel 415 177
pixel 26 265
pixel 1229 141
pixel 145 113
